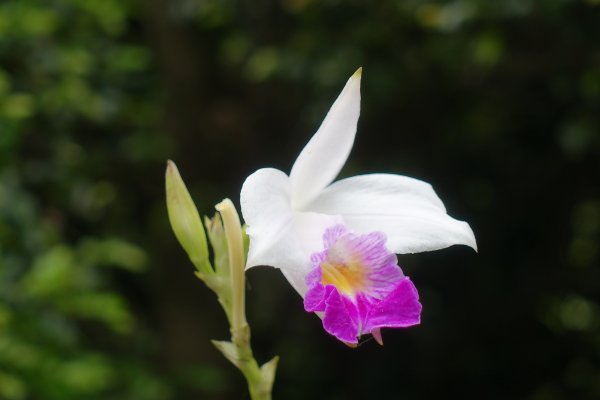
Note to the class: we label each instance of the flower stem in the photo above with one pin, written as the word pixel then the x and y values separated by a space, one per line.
pixel 226 279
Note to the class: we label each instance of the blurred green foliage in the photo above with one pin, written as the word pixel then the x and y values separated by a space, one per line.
pixel 497 103
pixel 66 74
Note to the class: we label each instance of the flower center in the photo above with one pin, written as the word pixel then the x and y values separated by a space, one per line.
pixel 344 270
pixel 348 279
pixel 355 264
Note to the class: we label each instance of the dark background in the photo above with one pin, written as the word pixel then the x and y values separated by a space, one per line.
pixel 496 103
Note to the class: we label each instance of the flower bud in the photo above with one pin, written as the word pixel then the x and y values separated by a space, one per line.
pixel 235 246
pixel 185 220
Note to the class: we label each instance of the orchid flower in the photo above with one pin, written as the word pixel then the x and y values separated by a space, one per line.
pixel 336 242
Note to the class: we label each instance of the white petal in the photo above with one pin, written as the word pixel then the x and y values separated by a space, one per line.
pixel 407 210
pixel 265 201
pixel 296 279
pixel 325 154
pixel 279 237
pixel 307 231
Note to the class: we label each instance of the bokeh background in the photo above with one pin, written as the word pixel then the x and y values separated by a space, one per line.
pixel 496 103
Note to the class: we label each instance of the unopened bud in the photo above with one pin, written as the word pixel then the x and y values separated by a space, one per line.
pixel 185 220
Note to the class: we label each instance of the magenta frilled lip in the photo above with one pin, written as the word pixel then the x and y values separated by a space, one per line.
pixel 358 286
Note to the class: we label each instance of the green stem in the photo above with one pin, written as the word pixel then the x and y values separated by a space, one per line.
pixel 227 279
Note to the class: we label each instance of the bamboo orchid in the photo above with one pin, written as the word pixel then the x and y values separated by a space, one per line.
pixel 335 242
